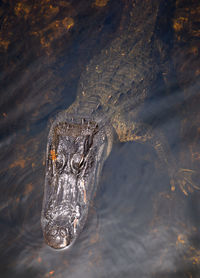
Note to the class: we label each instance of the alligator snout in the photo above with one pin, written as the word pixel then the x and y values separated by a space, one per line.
pixel 57 237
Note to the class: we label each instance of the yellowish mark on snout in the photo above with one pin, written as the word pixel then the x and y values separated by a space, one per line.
pixel 53 155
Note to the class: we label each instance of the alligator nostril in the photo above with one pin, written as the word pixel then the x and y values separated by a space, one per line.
pixel 62 232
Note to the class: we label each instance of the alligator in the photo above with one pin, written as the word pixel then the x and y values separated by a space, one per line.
pixel 110 95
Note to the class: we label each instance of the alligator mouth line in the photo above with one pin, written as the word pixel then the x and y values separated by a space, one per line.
pixel 75 155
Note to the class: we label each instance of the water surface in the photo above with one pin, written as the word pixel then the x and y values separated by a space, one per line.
pixel 138 225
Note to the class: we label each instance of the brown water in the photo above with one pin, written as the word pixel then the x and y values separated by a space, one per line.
pixel 138 226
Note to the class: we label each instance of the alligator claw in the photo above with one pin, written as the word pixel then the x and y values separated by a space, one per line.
pixel 184 179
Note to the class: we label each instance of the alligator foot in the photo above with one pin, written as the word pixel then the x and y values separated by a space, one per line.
pixel 185 180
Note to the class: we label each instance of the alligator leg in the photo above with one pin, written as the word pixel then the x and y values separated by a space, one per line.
pixel 142 133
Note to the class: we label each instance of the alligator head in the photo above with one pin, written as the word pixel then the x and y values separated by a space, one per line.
pixel 75 155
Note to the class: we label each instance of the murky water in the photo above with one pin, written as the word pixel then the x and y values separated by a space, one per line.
pixel 139 225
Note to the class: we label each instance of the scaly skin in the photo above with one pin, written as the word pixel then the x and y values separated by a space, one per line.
pixel 111 93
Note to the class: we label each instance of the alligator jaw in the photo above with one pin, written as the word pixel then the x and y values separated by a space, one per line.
pixel 75 155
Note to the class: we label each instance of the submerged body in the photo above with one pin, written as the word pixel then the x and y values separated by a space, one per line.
pixel 80 139
pixel 110 94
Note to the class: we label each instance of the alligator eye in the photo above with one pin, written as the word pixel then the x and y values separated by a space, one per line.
pixel 77 161
pixel 60 162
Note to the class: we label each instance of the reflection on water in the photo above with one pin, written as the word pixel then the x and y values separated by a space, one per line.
pixel 138 226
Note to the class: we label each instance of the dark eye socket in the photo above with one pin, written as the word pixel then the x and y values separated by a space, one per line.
pixel 77 161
